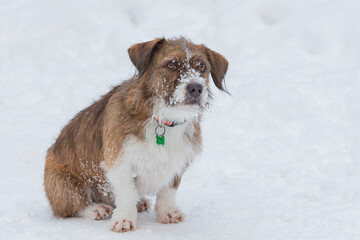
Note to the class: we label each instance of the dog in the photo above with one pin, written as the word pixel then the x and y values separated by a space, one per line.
pixel 138 139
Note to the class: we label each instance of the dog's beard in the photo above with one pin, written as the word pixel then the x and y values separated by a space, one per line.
pixel 181 106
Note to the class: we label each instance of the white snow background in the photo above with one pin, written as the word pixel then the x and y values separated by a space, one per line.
pixel 281 155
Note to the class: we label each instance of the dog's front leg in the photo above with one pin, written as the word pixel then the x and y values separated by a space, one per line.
pixel 126 198
pixel 166 208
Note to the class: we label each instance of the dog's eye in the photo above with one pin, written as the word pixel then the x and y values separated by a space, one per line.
pixel 202 67
pixel 170 65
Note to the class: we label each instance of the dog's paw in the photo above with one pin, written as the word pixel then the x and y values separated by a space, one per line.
pixel 171 216
pixel 123 225
pixel 143 205
pixel 96 211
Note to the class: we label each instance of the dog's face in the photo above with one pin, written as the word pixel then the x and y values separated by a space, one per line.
pixel 176 73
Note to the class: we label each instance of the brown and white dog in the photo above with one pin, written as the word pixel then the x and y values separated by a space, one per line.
pixel 138 139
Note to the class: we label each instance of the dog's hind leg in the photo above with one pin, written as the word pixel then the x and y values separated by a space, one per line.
pixel 143 205
pixel 66 193
pixel 96 211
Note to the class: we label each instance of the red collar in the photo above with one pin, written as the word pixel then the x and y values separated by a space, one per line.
pixel 167 123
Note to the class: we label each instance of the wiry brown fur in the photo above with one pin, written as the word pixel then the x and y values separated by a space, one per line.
pixel 73 175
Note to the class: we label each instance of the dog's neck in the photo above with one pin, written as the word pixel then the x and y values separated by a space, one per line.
pixel 177 113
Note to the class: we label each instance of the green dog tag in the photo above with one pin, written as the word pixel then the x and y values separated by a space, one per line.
pixel 160 140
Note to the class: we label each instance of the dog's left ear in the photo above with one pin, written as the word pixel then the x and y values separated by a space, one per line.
pixel 141 53
pixel 219 66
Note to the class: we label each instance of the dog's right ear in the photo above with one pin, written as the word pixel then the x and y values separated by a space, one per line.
pixel 141 53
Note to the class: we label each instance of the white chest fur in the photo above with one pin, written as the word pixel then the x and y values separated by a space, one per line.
pixel 154 166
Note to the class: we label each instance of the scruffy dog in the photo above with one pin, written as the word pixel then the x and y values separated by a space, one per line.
pixel 138 139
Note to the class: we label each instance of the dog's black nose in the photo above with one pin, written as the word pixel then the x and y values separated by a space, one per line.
pixel 195 89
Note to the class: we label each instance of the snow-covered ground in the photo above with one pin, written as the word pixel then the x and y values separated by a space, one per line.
pixel 282 154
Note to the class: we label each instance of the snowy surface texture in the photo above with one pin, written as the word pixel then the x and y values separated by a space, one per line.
pixel 282 154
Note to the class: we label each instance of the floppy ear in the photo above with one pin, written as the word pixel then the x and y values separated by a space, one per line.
pixel 141 53
pixel 219 66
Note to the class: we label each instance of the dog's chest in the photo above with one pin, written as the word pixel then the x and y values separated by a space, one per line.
pixel 154 166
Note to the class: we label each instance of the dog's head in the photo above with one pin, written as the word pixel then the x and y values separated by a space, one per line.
pixel 175 74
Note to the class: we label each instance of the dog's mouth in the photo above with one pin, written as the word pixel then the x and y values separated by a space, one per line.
pixel 192 101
